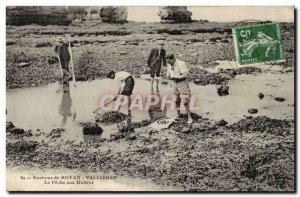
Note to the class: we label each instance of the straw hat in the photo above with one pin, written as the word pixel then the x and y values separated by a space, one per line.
pixel 60 39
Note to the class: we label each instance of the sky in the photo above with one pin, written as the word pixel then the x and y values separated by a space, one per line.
pixel 219 14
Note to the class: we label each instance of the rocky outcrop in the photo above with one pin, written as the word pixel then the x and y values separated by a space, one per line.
pixel 40 15
pixel 93 13
pixel 90 128
pixel 175 14
pixel 223 90
pixel 113 14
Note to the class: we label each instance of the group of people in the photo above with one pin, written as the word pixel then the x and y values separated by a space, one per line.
pixel 177 73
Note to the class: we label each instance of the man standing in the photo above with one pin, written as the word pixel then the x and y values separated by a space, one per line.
pixel 126 80
pixel 64 57
pixel 178 72
pixel 155 60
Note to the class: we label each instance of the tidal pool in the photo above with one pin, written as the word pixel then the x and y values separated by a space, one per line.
pixel 45 107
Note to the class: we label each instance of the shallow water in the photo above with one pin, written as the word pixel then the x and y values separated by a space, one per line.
pixel 44 108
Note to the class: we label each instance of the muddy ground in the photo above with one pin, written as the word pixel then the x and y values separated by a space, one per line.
pixel 254 154
pixel 99 48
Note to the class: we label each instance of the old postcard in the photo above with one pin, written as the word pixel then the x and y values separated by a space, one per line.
pixel 168 99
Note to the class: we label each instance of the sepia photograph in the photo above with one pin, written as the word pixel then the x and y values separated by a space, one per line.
pixel 150 98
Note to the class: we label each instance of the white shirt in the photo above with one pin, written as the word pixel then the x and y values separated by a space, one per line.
pixel 180 68
pixel 120 78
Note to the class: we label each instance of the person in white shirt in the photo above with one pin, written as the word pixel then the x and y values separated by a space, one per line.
pixel 126 80
pixel 177 71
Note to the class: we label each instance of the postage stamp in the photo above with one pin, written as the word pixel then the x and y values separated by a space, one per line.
pixel 258 43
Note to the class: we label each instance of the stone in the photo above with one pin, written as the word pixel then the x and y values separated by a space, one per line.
pixel 9 125
pixel 113 14
pixel 261 95
pixel 39 15
pixel 92 129
pixel 279 99
pixel 175 14
pixel 252 111
pixel 23 64
pixel 123 43
pixel 222 123
pixel 122 52
pixel 16 131
pixel 52 60
pixel 223 90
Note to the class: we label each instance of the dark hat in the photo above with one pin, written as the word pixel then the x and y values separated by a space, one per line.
pixel 170 56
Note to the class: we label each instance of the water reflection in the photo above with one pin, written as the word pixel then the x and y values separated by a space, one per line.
pixel 65 106
pixel 155 111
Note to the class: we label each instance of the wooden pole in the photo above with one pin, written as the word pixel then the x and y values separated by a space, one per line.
pixel 72 65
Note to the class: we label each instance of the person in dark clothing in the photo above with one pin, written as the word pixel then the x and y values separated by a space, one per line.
pixel 155 60
pixel 64 56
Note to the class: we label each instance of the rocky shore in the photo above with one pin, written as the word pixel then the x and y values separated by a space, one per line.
pixel 254 154
pixel 99 48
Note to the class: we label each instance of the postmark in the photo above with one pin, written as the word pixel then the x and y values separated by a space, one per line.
pixel 258 44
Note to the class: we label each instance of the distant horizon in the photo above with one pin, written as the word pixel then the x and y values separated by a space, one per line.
pixel 218 13
pixel 149 14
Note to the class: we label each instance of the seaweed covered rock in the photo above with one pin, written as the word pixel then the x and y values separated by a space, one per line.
pixel 113 14
pixel 90 128
pixel 12 129
pixel 110 117
pixel 19 147
pixel 279 99
pixel 56 133
pixel 248 70
pixel 261 95
pixel 223 90
pixel 175 14
pixel 263 124
pixel 252 111
pixel 9 125
pixel 222 123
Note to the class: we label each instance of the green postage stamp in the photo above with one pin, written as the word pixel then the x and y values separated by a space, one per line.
pixel 258 43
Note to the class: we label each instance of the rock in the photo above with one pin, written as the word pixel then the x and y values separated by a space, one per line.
pixel 222 123
pixel 92 13
pixel 16 131
pixel 279 99
pixel 40 15
pixel 123 43
pixel 56 133
pixel 52 60
pixel 223 90
pixel 127 129
pixel 252 111
pixel 92 129
pixel 122 52
pixel 117 136
pixel 23 64
pixel 175 14
pixel 248 70
pixel 261 95
pixel 113 14
pixel 9 125
pixel 111 117
pixel 131 136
